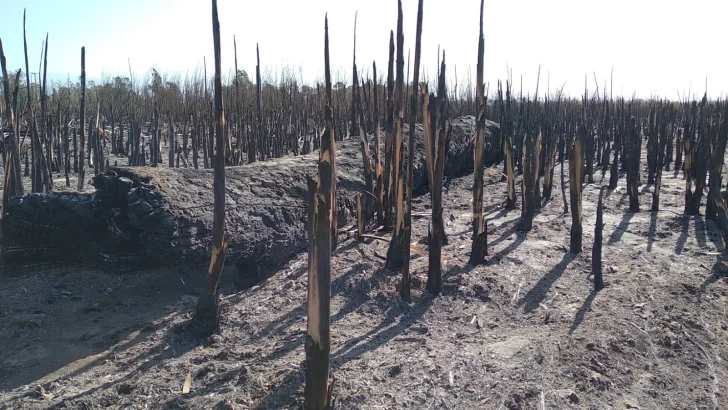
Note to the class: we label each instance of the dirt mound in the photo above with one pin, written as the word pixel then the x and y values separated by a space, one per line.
pixel 164 216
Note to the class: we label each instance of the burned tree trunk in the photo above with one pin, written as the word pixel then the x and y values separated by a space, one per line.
pixel 82 122
pixel 563 181
pixel 662 129
pixel 66 153
pixel 479 246
pixel 597 249
pixel 669 142
pixel 98 147
pixel 358 116
pixel 589 150
pixel 396 245
pixel 614 170
pixel 196 142
pixel 718 140
pixel 434 115
pixel 13 183
pixel 696 158
pixel 378 153
pixel 45 134
pixel 114 143
pixel 633 164
pixel 679 150
pixel 389 140
pixel 576 176
pixel 322 210
pixel 652 143
pixel 172 140
pixel 206 318
pixel 256 140
pixel 405 286
pixel 39 172
pixel 154 142
pixel 531 156
pixel 75 151
pixel 549 163
pixel 508 145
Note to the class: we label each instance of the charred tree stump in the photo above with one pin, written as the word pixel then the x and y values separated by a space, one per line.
pixel 172 141
pixel 670 149
pixel 589 150
pixel 256 141
pixel 614 170
pixel 563 181
pixel 633 163
pixel 378 153
pixel 154 142
pixel 40 174
pixel 405 285
pixel 662 129
pixel 195 142
pixel 715 208
pixel 434 113
pixel 576 176
pixel 679 150
pixel 532 152
pixel 206 318
pixel 549 162
pixel 508 145
pixel 98 147
pixel 66 153
pixel 358 125
pixel 82 122
pixel 696 158
pixel 395 254
pixel 479 246
pixel 389 180
pixel 652 146
pixel 322 202
pixel 597 249
pixel 13 183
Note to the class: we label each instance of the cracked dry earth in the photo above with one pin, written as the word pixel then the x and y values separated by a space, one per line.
pixel 522 331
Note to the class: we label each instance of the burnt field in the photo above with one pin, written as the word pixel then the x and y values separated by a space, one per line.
pixel 389 242
pixel 525 323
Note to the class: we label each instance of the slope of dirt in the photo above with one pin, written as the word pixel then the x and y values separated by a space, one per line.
pixel 164 216
pixel 522 331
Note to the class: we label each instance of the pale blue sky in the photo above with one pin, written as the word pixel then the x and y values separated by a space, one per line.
pixel 654 46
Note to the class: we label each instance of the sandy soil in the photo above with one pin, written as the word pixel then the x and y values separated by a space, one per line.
pixel 522 331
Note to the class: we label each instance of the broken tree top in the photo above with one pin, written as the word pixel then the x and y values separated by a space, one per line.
pixel 164 215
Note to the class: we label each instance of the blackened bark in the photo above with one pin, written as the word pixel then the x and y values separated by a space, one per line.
pixel 597 249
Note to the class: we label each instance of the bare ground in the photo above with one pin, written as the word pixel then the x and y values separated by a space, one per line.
pixel 525 330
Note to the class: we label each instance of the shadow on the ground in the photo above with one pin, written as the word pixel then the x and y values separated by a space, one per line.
pixel 581 313
pixel 716 273
pixel 179 342
pixel 700 231
pixel 396 322
pixel 710 230
pixel 289 318
pixel 95 339
pixel 356 298
pixel 538 292
pixel 653 230
pixel 520 238
pixel 621 228
pixel 684 233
